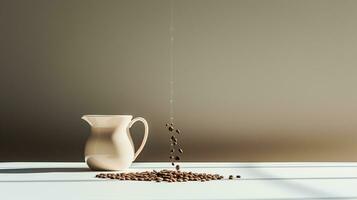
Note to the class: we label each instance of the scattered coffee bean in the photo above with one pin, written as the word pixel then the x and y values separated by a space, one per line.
pixel 173 164
pixel 177 158
pixel 171 128
pixel 172 151
pixel 177 167
pixel 172 157
pixel 237 176
pixel 230 176
pixel 177 131
pixel 180 150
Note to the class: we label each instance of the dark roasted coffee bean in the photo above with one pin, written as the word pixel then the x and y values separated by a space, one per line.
pixel 173 164
pixel 173 138
pixel 172 150
pixel 171 157
pixel 171 128
pixel 167 125
pixel 177 167
pixel 177 158
pixel 180 150
pixel 230 176
pixel 175 143
pixel 178 131
pixel 237 176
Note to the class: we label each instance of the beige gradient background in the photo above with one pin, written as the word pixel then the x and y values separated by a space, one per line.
pixel 269 80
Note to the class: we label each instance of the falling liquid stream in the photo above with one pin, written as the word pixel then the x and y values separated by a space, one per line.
pixel 171 52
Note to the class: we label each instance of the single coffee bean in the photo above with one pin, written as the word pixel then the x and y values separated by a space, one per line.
pixel 180 150
pixel 230 176
pixel 172 150
pixel 177 167
pixel 171 128
pixel 171 157
pixel 177 158
pixel 178 131
pixel 173 164
pixel 237 176
pixel 173 138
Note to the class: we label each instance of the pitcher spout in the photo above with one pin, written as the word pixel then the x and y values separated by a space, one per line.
pixel 87 119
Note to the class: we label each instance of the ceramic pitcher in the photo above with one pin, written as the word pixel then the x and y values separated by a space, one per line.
pixel 110 146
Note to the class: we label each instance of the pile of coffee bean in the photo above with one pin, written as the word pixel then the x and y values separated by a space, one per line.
pixel 163 175
pixel 174 156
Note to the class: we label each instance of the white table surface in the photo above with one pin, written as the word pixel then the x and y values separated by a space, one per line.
pixel 60 180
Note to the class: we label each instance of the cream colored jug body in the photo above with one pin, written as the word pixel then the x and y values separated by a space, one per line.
pixel 110 146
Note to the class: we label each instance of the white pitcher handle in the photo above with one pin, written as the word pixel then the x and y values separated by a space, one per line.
pixel 145 134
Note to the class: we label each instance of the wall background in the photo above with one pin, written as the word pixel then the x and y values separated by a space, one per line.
pixel 255 80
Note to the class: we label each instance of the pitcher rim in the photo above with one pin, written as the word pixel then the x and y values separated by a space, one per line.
pixel 107 115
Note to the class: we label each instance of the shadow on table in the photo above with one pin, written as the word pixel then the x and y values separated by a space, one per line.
pixel 42 170
pixel 299 188
pixel 55 181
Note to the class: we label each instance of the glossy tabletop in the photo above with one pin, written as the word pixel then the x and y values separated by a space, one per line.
pixel 63 180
